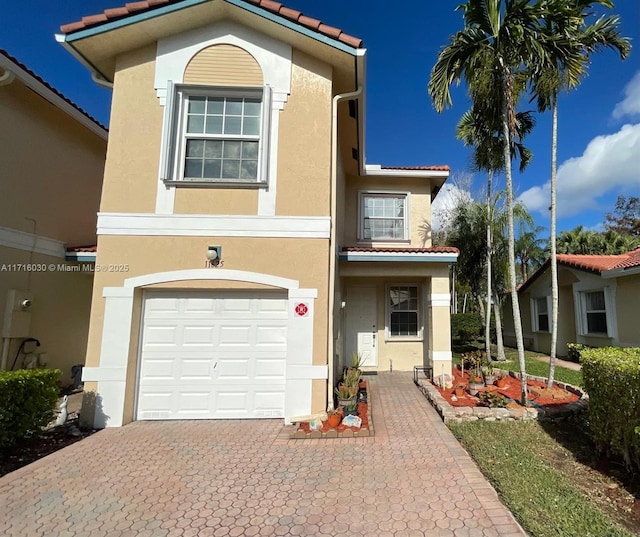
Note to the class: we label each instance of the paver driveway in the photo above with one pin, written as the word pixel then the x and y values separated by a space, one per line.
pixel 233 478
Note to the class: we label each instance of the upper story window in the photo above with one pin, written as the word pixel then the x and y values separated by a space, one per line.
pixel 217 136
pixel 541 314
pixel 384 217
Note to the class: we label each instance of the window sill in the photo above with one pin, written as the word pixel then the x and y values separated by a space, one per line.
pixel 599 336
pixel 400 339
pixel 382 243
pixel 216 184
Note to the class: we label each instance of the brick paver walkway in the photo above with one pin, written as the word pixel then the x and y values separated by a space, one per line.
pixel 234 478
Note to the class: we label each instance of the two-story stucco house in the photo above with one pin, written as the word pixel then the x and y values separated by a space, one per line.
pixel 51 167
pixel 248 250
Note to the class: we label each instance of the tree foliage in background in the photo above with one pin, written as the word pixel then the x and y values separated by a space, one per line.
pixel 580 241
pixel 625 218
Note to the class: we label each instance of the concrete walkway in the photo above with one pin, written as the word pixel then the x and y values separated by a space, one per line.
pixel 560 363
pixel 247 478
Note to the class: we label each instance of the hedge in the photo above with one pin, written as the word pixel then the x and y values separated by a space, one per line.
pixel 466 327
pixel 612 380
pixel 27 402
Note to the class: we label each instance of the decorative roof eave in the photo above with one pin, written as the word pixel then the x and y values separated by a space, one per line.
pixel 425 172
pixel 135 12
pixel 81 254
pixel 621 271
pixel 48 92
pixel 396 256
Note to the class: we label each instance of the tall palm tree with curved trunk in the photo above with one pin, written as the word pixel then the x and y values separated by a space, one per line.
pixel 569 43
pixel 503 38
pixel 480 127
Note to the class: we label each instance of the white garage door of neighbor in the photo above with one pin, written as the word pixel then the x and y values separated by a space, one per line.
pixel 212 355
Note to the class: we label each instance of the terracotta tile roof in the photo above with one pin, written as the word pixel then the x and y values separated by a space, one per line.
pixel 431 250
pixel 84 249
pixel 276 8
pixel 50 87
pixel 632 260
pixel 589 262
pixel 442 168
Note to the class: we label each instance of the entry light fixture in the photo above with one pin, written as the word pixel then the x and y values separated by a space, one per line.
pixel 214 256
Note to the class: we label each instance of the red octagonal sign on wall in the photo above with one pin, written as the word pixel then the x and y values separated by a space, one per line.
pixel 302 310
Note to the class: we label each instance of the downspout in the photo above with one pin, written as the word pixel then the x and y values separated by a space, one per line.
pixel 97 78
pixel 332 235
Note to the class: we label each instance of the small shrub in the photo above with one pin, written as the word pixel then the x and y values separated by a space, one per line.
pixel 466 327
pixel 575 349
pixel 27 402
pixel 472 361
pixel 493 399
pixel 612 380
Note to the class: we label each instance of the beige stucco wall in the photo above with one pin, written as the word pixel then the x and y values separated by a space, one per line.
pixel 627 298
pixel 304 148
pixel 298 259
pixel 52 169
pixel 60 311
pixel 419 207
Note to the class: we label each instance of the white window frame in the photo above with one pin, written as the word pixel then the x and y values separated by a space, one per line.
pixel 406 196
pixel 420 316
pixel 535 314
pixel 584 311
pixel 174 135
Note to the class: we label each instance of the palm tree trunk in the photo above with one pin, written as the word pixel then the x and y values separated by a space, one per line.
pixel 517 321
pixel 499 341
pixel 487 320
pixel 552 242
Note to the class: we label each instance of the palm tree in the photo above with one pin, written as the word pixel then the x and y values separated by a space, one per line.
pixel 530 251
pixel 569 43
pixel 480 127
pixel 503 38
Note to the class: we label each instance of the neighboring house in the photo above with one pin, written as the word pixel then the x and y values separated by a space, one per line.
pixel 52 163
pixel 237 133
pixel 598 303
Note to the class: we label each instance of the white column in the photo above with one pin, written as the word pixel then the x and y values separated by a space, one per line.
pixel 111 374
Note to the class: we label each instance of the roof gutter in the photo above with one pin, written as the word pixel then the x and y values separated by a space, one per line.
pixel 42 90
pixel 96 75
pixel 617 273
pixel 333 247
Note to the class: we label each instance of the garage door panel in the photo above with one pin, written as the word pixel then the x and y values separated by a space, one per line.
pixel 213 355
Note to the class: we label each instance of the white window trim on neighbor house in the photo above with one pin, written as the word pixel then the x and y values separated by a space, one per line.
pixel 535 314
pixel 176 135
pixel 419 336
pixel 274 58
pixel 404 195
pixel 580 290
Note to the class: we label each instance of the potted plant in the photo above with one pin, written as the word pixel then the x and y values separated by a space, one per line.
pixel 334 417
pixel 459 390
pixel 351 409
pixel 501 381
pixel 476 382
pixel 346 394
pixel 489 375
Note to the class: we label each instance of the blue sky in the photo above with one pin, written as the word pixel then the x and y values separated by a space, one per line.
pixel 599 124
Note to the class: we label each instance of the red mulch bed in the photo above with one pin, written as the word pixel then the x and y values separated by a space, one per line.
pixel 363 411
pixel 511 390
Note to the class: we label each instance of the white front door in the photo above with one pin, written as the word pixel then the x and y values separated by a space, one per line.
pixel 361 329
pixel 212 354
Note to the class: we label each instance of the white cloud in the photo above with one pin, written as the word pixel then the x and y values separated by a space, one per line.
pixel 449 197
pixel 630 105
pixel 609 162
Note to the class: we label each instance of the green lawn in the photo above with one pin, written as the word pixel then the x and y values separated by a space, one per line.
pixel 533 367
pixel 516 457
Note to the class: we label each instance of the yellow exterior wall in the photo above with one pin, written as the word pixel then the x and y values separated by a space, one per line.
pixel 627 297
pixel 51 169
pixel 60 310
pixel 304 147
pixel 419 207
pixel 298 259
pixel 133 154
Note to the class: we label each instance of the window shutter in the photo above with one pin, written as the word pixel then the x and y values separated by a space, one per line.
pixel 265 135
pixel 167 149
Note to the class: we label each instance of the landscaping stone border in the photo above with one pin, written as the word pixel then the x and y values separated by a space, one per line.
pixel 450 413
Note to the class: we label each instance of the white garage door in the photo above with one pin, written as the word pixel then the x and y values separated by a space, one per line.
pixel 213 355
